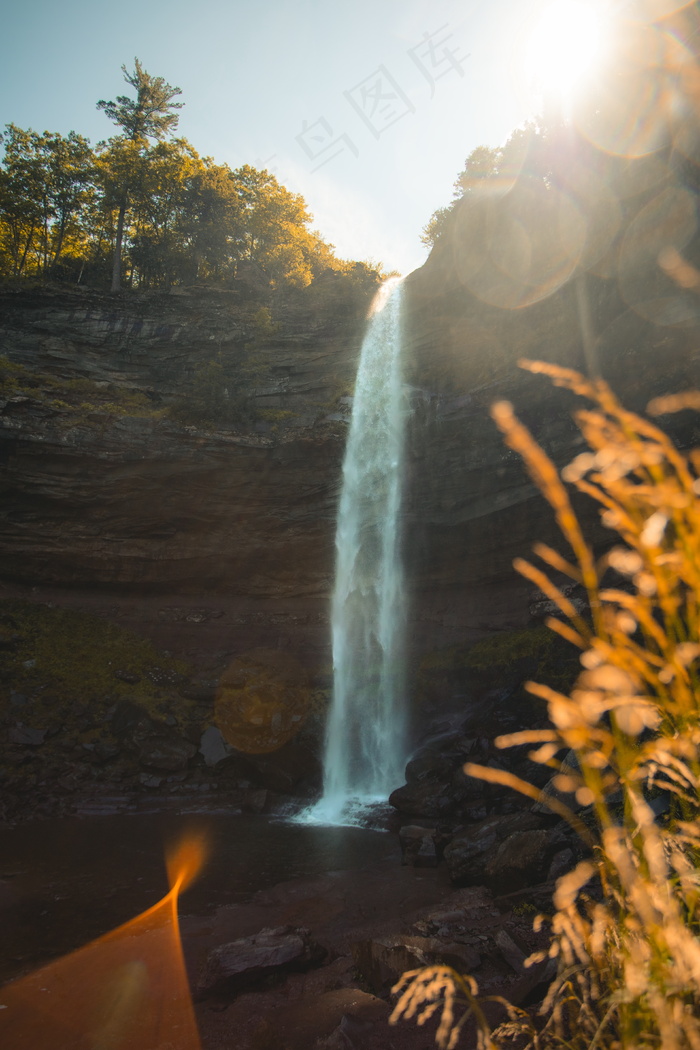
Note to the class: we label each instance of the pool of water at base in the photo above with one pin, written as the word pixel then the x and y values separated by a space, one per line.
pixel 65 882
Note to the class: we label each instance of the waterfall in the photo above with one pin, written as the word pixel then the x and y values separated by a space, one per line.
pixel 365 735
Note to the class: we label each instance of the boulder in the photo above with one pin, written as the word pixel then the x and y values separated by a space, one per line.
pixel 340 1019
pixel 213 746
pixel 522 860
pixel 249 960
pixel 418 846
pixel 382 961
pixel 468 855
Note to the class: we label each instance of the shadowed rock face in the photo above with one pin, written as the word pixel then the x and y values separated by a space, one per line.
pixel 220 540
pixel 224 533
pixel 471 508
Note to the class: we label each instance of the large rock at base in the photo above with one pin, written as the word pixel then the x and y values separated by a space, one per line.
pixel 381 962
pixel 472 848
pixel 239 964
pixel 418 846
pixel 213 746
pixel 522 860
pixel 336 1018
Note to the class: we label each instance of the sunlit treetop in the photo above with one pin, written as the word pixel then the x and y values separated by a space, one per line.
pixel 150 114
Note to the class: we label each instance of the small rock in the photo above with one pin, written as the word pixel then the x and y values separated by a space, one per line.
pixel 150 780
pixel 21 734
pixel 249 960
pixel 471 848
pixel 417 846
pixel 513 954
pixel 255 800
pixel 213 746
pixel 127 676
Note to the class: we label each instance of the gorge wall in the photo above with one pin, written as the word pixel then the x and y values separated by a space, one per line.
pixel 208 538
pixel 213 539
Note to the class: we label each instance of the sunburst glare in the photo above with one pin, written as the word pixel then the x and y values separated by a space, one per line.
pixel 564 45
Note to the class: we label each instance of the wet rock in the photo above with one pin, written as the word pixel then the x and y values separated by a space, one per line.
pixel 213 746
pixel 382 961
pixel 471 848
pixel 199 692
pixel 342 1019
pixel 165 750
pixel 150 780
pixel 418 846
pixel 249 960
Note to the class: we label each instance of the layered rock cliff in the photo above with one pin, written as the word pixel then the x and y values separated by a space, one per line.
pixel 471 506
pixel 215 538
pixel 209 537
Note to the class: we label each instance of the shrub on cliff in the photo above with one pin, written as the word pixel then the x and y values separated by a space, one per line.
pixel 625 929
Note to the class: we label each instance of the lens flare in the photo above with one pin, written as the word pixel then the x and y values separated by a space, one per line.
pixel 565 44
pixel 127 990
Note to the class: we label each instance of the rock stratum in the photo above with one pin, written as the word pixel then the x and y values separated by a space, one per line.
pixel 215 537
pixel 176 528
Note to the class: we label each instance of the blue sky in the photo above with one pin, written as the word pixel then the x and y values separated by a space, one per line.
pixel 366 107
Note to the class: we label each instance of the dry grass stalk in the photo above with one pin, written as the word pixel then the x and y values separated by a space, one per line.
pixel 626 923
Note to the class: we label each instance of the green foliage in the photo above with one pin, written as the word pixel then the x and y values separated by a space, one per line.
pixel 150 114
pixel 217 396
pixel 45 186
pixel 79 400
pixel 68 658
pixel 146 208
pixel 509 646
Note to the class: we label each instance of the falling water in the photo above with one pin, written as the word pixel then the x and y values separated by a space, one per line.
pixel 365 747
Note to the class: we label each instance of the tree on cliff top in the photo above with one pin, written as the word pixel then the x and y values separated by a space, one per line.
pixel 150 115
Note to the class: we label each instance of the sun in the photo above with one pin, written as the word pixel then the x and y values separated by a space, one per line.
pixel 565 44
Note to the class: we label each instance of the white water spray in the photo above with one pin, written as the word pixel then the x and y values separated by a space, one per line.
pixel 365 736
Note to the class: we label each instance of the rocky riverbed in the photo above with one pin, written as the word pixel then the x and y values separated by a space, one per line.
pixel 305 962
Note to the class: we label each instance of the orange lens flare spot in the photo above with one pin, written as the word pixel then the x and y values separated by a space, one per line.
pixel 185 860
pixel 262 701
pixel 126 991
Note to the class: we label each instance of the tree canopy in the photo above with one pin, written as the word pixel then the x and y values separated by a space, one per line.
pixel 143 209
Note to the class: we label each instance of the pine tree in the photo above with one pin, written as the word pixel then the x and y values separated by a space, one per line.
pixel 150 115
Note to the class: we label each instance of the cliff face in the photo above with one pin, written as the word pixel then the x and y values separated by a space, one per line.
pixel 471 506
pixel 214 539
pixel 207 538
